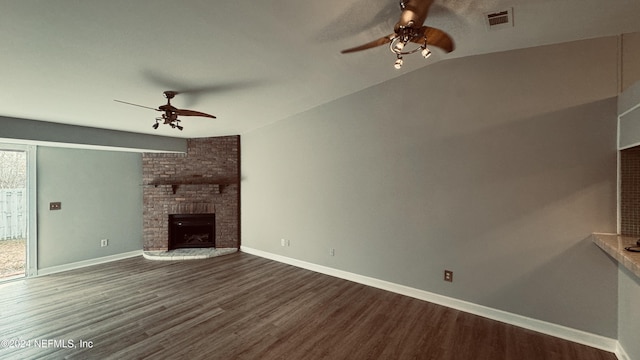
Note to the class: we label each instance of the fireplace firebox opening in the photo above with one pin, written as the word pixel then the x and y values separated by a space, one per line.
pixel 192 231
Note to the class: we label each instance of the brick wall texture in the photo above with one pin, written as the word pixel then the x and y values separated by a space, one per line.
pixel 205 180
pixel 630 191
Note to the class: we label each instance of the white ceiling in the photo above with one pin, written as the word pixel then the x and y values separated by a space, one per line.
pixel 253 62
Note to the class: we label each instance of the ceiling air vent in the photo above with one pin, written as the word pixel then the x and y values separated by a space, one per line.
pixel 499 19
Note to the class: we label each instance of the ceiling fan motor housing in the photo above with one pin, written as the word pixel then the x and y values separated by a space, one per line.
pixel 170 94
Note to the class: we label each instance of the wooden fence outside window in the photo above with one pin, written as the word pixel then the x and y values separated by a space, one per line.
pixel 13 217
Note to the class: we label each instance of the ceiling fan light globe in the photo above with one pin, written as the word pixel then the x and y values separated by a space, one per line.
pixel 398 47
pixel 398 64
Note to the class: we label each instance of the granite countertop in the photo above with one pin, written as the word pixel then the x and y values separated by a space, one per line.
pixel 614 244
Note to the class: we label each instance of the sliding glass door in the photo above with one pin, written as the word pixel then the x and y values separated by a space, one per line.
pixel 17 220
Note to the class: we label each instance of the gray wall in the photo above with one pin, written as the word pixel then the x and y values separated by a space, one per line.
pixel 16 130
pixel 101 197
pixel 629 59
pixel 497 167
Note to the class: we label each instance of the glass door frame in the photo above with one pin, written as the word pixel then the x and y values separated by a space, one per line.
pixel 31 268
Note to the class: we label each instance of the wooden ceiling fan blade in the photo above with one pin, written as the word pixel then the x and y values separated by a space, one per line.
pixel 369 45
pixel 142 106
pixel 183 112
pixel 435 37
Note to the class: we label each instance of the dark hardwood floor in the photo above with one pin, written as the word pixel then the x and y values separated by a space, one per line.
pixel 241 306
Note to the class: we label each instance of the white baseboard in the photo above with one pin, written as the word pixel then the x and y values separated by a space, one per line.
pixel 621 354
pixel 559 331
pixel 85 263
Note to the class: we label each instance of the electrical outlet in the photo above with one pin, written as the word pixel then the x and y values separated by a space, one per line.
pixel 104 242
pixel 332 252
pixel 283 242
pixel 448 275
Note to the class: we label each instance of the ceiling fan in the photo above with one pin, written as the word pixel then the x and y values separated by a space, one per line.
pixel 170 112
pixel 410 28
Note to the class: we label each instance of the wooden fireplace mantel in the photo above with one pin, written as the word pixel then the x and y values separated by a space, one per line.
pixel 195 180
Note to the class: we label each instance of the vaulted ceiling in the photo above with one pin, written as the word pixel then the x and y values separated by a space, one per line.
pixel 250 63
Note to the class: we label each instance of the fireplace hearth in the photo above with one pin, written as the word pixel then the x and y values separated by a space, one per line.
pixel 192 231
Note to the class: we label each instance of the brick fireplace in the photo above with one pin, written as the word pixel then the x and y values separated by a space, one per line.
pixel 205 180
